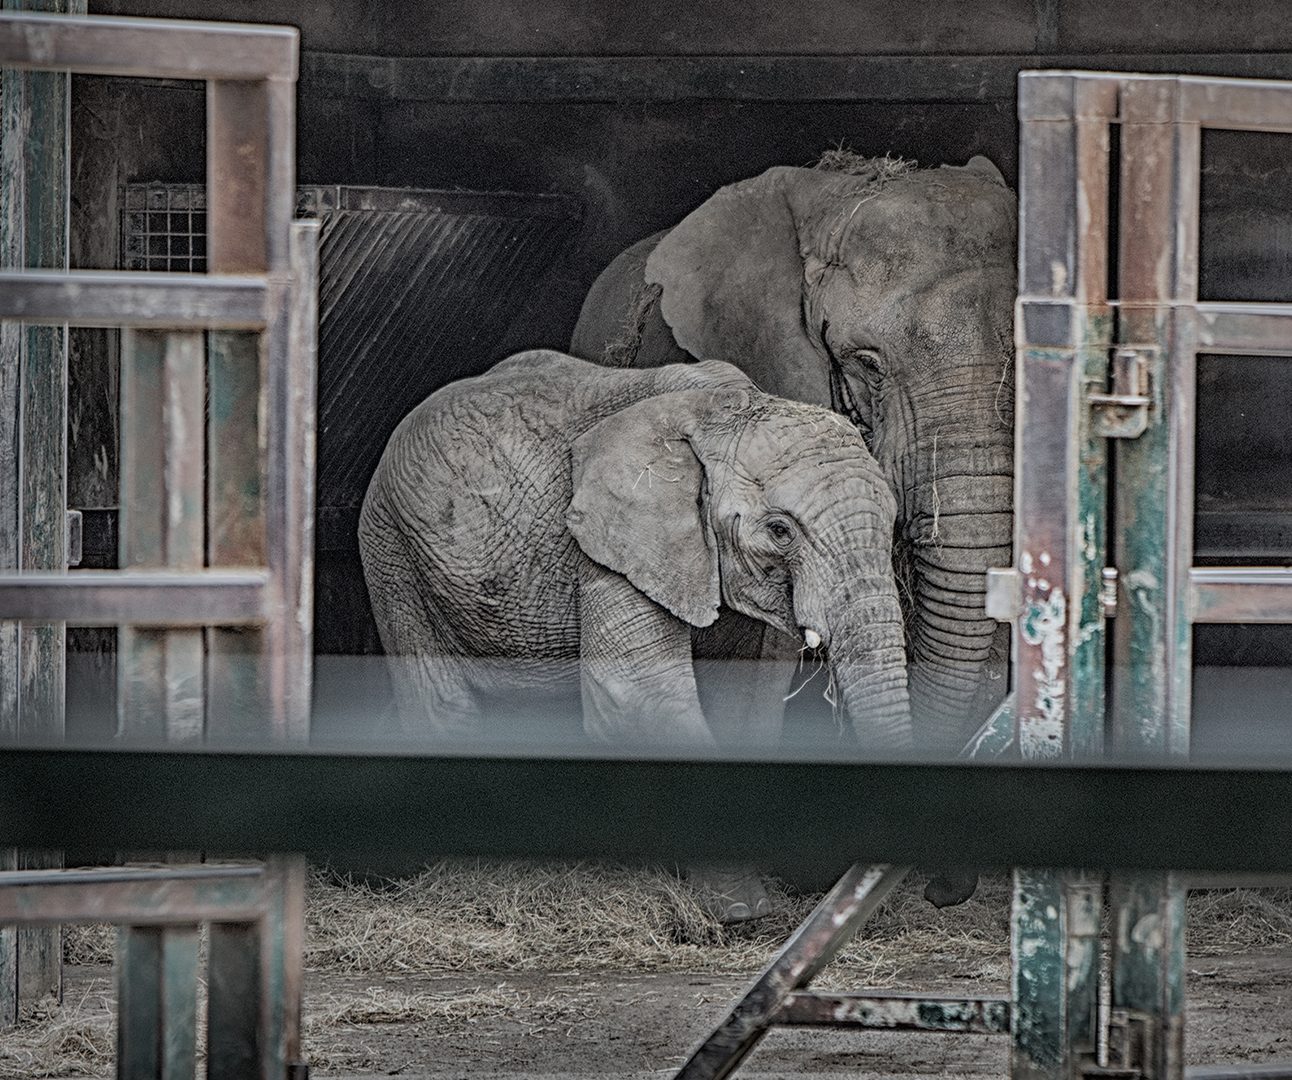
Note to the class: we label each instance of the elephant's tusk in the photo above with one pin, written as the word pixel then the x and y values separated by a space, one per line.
pixel 812 639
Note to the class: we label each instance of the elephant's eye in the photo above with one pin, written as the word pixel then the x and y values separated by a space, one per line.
pixel 870 361
pixel 781 530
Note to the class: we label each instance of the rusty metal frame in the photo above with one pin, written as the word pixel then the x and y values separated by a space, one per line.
pixel 259 304
pixel 253 1014
pixel 1154 328
pixel 246 576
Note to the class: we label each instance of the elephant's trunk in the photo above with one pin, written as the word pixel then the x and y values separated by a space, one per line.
pixel 951 640
pixel 868 660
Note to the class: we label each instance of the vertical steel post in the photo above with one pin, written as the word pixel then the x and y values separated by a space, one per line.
pixel 250 193
pixel 1062 332
pixel 162 386
pixel 157 1002
pixel 1161 167
pixel 35 123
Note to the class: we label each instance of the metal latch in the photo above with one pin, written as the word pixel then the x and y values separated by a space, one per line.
pixel 1130 1048
pixel 1123 414
pixel 72 536
pixel 1004 599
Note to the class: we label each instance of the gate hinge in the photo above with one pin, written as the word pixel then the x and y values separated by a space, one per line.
pixel 1130 1048
pixel 1123 413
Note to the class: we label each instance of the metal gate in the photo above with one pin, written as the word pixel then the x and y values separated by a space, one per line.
pixel 1104 499
pixel 213 599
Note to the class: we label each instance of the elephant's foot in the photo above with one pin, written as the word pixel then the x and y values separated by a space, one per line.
pixel 731 894
pixel 951 888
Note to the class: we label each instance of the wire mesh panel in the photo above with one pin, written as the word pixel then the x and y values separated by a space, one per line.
pixel 163 227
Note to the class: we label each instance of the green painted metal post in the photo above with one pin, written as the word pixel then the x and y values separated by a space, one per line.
pixel 157 1002
pixel 1161 168
pixel 34 152
pixel 1062 334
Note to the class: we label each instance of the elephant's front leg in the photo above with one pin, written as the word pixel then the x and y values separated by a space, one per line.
pixel 638 676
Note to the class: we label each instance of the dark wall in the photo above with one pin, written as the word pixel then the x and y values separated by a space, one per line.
pixel 706 27
pixel 638 165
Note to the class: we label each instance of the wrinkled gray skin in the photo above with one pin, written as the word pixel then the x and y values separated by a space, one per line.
pixel 584 522
pixel 903 286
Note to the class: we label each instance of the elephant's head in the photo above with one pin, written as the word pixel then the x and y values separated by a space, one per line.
pixel 713 496
pixel 886 294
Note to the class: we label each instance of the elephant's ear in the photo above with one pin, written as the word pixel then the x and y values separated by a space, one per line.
pixel 636 507
pixel 986 167
pixel 732 281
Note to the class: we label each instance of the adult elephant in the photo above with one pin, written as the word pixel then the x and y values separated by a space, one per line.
pixel 884 292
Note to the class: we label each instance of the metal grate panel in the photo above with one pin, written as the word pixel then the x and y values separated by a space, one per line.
pixel 416 288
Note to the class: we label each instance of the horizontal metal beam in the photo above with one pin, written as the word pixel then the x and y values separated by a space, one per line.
pixel 1258 104
pixel 1127 817
pixel 137 598
pixel 1245 328
pixel 139 298
pixel 1258 594
pixel 170 49
pixel 925 78
pixel 156 899
pixel 896 1012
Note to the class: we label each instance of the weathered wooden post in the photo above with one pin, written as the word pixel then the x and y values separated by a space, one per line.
pixel 34 147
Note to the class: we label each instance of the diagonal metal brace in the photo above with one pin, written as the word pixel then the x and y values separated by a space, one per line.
pixel 831 925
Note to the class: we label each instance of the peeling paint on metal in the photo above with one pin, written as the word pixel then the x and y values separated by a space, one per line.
pixel 1044 624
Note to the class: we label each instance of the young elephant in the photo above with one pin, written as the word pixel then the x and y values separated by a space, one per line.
pixel 553 521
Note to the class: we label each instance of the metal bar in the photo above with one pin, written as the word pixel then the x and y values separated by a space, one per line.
pixel 1054 980
pixel 157 902
pixel 896 1012
pixel 1153 817
pixel 282 973
pixel 1063 202
pixel 160 690
pixel 236 1046
pixel 1148 963
pixel 289 485
pixel 238 193
pixel 169 49
pixel 140 298
pixel 142 598
pixel 157 996
pixel 1153 642
pixel 8 956
pixel 126 875
pixel 1158 242
pixel 813 945
pixel 139 1013
pixel 1244 328
pixel 1235 103
pixel 179 964
pixel 1258 594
